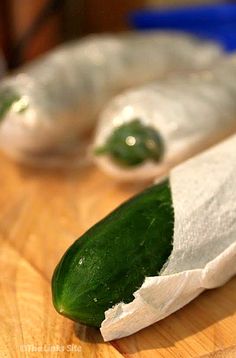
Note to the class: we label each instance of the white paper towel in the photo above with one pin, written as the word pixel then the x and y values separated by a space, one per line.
pixel 204 247
pixel 64 90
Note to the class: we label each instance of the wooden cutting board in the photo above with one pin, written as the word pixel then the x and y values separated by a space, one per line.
pixel 41 214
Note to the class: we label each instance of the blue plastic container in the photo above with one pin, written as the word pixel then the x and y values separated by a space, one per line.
pixel 216 21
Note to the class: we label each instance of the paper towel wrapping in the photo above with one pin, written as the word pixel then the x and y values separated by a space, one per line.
pixel 204 246
pixel 187 111
pixel 64 90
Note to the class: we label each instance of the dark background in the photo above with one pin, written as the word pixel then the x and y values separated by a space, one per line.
pixel 31 27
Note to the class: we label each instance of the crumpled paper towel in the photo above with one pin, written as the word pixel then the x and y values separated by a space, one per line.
pixel 62 92
pixel 187 111
pixel 204 247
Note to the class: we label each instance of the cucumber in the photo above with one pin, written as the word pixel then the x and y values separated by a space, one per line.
pixel 111 260
pixel 7 99
pixel 132 144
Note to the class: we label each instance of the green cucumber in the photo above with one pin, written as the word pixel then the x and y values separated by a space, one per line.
pixel 8 97
pixel 132 144
pixel 111 260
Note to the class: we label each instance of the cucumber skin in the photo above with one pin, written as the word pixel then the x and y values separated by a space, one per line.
pixel 148 144
pixel 111 260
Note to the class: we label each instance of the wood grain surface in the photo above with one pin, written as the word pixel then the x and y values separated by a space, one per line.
pixel 42 213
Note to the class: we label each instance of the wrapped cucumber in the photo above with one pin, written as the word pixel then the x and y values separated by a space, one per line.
pixel 50 106
pixel 146 130
pixel 157 251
